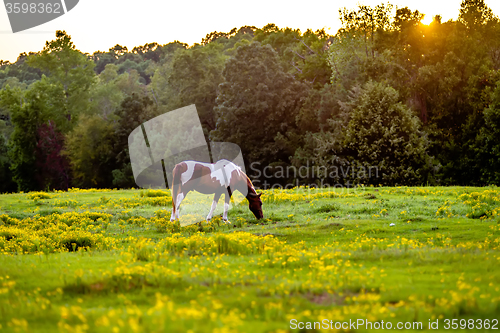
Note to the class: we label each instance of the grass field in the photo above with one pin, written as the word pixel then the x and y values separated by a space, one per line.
pixel 111 261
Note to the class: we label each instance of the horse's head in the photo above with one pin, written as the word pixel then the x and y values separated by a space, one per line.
pixel 255 205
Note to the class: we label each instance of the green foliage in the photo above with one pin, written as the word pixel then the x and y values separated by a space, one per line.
pixel 29 110
pixel 60 96
pixel 192 76
pixel 487 145
pixel 123 178
pixel 6 183
pixel 89 147
pixel 109 92
pixel 256 87
pixel 323 117
pixel 133 111
pixel 384 134
pixel 52 167
pixel 39 195
pixel 164 225
pixel 154 193
pixel 365 26
pixel 70 70
pixel 303 55
pixel 20 71
pixel 302 88
pixel 474 13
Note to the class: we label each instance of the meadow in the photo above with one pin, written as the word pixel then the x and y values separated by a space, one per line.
pixel 111 261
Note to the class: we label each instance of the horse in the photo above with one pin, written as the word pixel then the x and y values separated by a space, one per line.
pixel 222 177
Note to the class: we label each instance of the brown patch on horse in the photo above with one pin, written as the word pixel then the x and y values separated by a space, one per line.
pixel 235 179
pixel 201 181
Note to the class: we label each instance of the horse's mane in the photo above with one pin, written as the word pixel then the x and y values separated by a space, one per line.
pixel 252 193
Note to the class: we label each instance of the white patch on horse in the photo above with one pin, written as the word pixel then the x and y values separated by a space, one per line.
pixel 226 208
pixel 210 214
pixel 216 171
pixel 224 166
pixel 180 196
pixel 188 174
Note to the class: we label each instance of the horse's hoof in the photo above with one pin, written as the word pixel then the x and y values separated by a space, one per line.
pixel 227 221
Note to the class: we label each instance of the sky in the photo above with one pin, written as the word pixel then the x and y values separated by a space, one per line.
pixel 100 24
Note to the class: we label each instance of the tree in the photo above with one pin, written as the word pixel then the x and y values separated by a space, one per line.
pixel 6 182
pixel 70 70
pixel 368 23
pixel 487 143
pixel 310 56
pixel 303 55
pixel 475 13
pixel 101 60
pixel 322 121
pixel 62 94
pixel 256 88
pixel 192 77
pixel 29 110
pixel 107 94
pixel 383 133
pixel 133 111
pixel 149 51
pixel 229 40
pixel 52 167
pixel 89 148
pixel 131 61
pixel 19 70
pixel 361 50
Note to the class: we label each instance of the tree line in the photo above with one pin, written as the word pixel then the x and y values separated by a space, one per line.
pixel 421 103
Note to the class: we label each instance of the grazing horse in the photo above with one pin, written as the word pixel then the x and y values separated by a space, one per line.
pixel 222 177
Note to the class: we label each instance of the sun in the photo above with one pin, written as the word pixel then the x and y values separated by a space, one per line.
pixel 427 19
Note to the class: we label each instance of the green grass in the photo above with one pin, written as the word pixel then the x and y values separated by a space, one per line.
pixel 316 255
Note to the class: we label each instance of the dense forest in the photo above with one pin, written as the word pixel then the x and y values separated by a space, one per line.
pixel 421 103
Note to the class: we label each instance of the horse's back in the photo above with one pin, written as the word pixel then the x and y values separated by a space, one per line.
pixel 225 163
pixel 223 172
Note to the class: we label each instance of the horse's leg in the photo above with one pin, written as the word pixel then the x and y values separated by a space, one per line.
pixel 178 201
pixel 172 216
pixel 175 190
pixel 177 197
pixel 227 199
pixel 214 205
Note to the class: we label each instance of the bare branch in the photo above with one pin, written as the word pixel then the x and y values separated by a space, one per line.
pixel 300 71
pixel 305 45
pixel 304 58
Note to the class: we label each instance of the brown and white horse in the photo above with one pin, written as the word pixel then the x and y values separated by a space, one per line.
pixel 223 177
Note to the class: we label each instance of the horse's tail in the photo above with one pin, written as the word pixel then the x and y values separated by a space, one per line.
pixel 176 183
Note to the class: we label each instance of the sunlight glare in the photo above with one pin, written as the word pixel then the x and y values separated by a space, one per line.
pixel 427 20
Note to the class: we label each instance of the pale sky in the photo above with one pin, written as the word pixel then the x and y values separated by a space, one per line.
pixel 101 24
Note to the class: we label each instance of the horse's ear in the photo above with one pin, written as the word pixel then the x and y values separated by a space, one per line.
pixel 259 194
